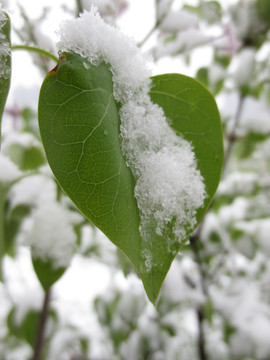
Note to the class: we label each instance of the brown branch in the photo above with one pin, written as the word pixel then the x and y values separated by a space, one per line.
pixel 201 342
pixel 42 326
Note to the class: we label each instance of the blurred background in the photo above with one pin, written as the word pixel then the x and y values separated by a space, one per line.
pixel 215 301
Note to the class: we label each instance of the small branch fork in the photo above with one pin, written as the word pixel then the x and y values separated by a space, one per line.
pixel 158 22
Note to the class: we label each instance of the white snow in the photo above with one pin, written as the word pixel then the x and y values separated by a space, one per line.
pixel 8 170
pixel 184 41
pixel 51 236
pixel 168 184
pixel 229 43
pixel 238 183
pixel 162 8
pixel 25 140
pixel 130 348
pixel 216 73
pixel 105 7
pixel 49 228
pixel 259 229
pixel 242 66
pixel 33 190
pixel 4 47
pixel 235 211
pixel 241 303
pixel 90 37
pixel 255 116
pixel 22 281
pixel 178 21
pixel 182 283
pixel 66 341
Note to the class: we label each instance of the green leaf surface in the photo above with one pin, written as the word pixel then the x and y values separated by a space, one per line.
pixel 5 64
pixel 46 273
pixel 79 125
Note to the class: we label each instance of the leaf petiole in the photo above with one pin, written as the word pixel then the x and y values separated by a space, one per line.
pixel 36 50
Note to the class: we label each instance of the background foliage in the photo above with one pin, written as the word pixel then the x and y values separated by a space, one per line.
pixel 215 303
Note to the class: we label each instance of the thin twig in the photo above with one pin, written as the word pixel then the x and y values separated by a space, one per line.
pixel 194 238
pixel 201 341
pixel 159 20
pixel 232 135
pixel 29 35
pixel 156 25
pixel 42 326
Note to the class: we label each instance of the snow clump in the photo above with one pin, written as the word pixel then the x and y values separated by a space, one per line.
pixel 9 171
pixel 169 187
pixel 51 235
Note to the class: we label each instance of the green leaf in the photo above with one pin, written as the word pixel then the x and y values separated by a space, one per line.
pixel 46 273
pixel 13 222
pixel 246 145
pixel 228 331
pixel 79 125
pixel 5 61
pixel 263 10
pixel 208 311
pixel 211 11
pixel 27 330
pixel 203 76
pixel 27 158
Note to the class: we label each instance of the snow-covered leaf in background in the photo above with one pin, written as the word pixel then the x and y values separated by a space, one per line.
pixel 46 274
pixel 181 42
pixel 9 173
pixel 52 240
pixel 177 21
pixel 210 11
